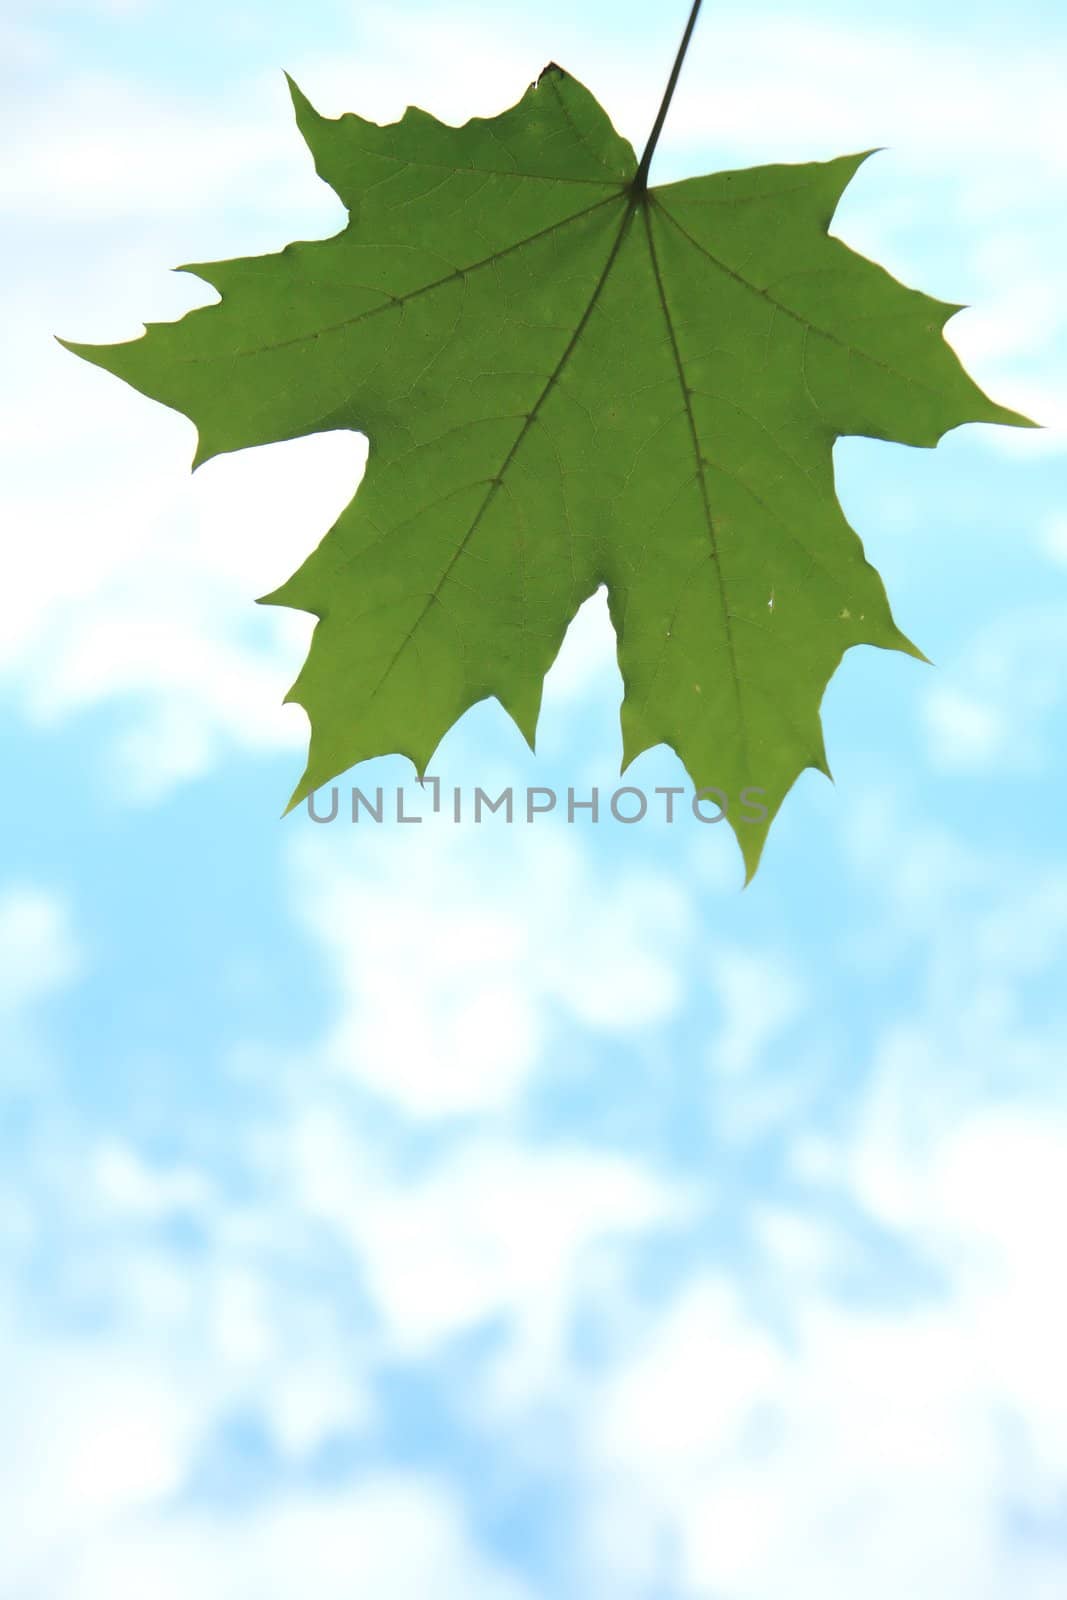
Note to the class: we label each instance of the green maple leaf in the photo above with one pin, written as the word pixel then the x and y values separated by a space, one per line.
pixel 570 380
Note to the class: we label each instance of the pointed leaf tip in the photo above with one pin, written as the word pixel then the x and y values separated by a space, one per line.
pixel 304 112
pixel 751 858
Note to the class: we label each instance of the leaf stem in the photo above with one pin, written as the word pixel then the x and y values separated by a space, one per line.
pixel 640 183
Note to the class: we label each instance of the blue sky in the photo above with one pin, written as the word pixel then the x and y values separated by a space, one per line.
pixel 522 1213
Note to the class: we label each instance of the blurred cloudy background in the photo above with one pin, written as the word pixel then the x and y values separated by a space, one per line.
pixel 522 1213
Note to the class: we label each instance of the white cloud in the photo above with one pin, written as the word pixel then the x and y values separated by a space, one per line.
pixel 39 952
pixel 798 1245
pixel 124 1181
pixel 964 733
pixel 493 1229
pixel 146 152
pixel 454 955
pixel 1054 540
pixel 760 1435
pixel 153 610
pixel 396 1536
pixel 711 1446
pixel 883 1442
pixel 758 996
pixel 992 706
pixel 90 1436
